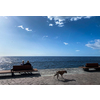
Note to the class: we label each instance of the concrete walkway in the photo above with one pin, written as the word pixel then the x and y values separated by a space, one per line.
pixel 75 76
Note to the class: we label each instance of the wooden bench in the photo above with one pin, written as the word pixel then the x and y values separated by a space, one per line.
pixel 91 65
pixel 22 68
pixel 5 71
pixel 19 69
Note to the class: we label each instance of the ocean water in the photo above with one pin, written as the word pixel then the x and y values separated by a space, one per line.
pixel 6 63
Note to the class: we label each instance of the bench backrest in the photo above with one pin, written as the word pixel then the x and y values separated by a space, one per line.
pixel 22 67
pixel 92 65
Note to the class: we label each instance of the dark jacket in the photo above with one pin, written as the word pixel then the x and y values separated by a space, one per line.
pixel 27 64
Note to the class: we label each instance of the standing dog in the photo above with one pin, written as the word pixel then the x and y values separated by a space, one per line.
pixel 61 73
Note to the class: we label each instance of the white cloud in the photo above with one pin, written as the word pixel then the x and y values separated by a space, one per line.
pixel 76 18
pixel 45 36
pixel 21 26
pixel 59 20
pixel 65 43
pixel 50 24
pixel 50 17
pixel 27 29
pixel 60 24
pixel 87 16
pixel 77 50
pixel 94 45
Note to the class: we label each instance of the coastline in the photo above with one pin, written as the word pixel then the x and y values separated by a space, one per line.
pixel 75 76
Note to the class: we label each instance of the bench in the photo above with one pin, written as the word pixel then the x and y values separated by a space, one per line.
pixel 19 69
pixel 91 65
pixel 22 68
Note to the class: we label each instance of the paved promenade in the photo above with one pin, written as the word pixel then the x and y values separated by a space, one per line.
pixel 75 76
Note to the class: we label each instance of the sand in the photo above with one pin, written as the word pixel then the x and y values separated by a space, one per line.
pixel 75 76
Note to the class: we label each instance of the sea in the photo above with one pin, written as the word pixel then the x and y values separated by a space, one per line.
pixel 47 62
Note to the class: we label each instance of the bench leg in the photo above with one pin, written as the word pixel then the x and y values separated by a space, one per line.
pixel 86 69
pixel 12 74
pixel 98 69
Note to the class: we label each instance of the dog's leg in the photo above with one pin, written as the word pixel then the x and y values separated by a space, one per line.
pixel 57 76
pixel 62 76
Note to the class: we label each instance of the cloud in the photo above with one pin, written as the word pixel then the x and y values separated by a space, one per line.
pixel 75 18
pixel 45 36
pixel 65 43
pixel 27 29
pixel 94 44
pixel 50 24
pixel 21 26
pixel 60 20
pixel 59 23
pixel 50 17
pixel 87 16
pixel 77 50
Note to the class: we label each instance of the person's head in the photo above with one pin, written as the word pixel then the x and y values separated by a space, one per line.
pixel 22 61
pixel 27 61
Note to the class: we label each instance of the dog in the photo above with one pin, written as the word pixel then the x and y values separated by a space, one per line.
pixel 61 73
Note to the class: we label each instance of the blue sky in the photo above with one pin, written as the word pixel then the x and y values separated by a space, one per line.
pixel 49 36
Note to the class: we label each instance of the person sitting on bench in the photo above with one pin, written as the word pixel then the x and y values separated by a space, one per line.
pixel 27 63
pixel 22 62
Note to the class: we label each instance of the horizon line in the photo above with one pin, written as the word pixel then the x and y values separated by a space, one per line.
pixel 49 56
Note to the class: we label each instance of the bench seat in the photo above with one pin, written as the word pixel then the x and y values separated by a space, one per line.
pixel 16 71
pixel 5 71
pixel 22 68
pixel 91 65
pixel 19 68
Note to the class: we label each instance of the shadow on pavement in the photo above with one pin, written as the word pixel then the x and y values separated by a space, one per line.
pixel 66 80
pixel 20 76
pixel 93 70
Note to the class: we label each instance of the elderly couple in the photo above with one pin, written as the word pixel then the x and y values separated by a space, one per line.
pixel 27 63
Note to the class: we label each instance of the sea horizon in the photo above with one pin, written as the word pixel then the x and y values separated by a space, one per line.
pixel 48 62
pixel 49 56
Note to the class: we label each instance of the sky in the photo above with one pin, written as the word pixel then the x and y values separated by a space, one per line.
pixel 50 28
pixel 49 35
